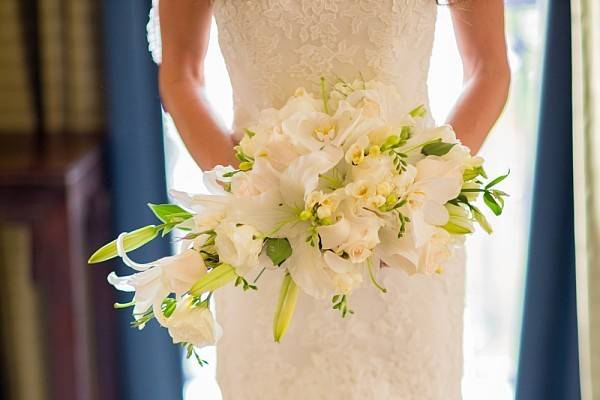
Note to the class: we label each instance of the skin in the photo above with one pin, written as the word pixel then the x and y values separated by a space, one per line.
pixel 185 27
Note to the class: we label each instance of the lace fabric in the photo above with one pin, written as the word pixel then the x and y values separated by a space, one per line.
pixel 406 344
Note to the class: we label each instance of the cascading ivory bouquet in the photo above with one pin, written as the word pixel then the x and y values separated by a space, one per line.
pixel 328 188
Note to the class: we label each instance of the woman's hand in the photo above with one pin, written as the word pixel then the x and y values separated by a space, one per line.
pixel 185 30
pixel 479 29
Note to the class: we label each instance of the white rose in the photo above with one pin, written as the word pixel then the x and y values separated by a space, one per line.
pixel 346 276
pixel 377 168
pixel 238 246
pixel 195 325
pixel 434 254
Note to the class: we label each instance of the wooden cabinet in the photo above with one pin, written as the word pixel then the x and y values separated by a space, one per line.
pixel 56 188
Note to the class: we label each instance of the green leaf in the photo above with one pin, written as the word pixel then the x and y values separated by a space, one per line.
pixel 278 250
pixel 481 220
pixel 170 213
pixel 132 241
pixel 437 149
pixel 497 180
pixel 492 203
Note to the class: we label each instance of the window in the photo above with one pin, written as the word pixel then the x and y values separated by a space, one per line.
pixel 496 265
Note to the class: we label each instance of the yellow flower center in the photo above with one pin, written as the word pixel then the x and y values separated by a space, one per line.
pixel 325 133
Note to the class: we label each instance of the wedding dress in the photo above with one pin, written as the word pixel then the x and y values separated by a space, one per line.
pixel 405 344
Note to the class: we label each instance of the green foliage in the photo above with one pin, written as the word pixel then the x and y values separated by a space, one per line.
pixel 170 213
pixel 278 250
pixel 244 283
pixel 437 148
pixel 190 351
pixel 340 303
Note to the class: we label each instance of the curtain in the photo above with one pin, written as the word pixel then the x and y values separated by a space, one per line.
pixel 151 366
pixel 548 362
pixel 586 143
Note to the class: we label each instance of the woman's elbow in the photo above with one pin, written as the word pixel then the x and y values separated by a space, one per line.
pixel 495 75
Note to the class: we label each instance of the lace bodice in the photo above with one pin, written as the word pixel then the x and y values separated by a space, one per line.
pixel 271 47
pixel 406 344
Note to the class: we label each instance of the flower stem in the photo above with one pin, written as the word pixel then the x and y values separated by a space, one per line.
pixel 372 276
pixel 324 95
pixel 259 275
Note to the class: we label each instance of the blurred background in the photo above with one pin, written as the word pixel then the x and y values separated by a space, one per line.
pixel 84 145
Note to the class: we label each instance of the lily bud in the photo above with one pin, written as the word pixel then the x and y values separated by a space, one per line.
pixel 216 278
pixel 288 297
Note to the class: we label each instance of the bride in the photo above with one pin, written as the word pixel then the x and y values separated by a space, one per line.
pixel 406 344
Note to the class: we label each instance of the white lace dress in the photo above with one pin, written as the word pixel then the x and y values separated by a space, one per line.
pixel 406 344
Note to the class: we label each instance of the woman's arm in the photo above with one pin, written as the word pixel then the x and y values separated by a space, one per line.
pixel 185 29
pixel 479 29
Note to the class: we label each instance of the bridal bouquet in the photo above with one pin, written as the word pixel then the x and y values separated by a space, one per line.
pixel 328 188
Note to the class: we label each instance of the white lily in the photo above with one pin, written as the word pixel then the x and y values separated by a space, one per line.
pixel 435 183
pixel 402 253
pixel 156 280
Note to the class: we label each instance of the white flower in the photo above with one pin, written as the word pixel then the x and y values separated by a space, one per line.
pixel 301 103
pixel 356 153
pixel 356 233
pixel 193 324
pixel 259 179
pixel 352 124
pixel 434 185
pixel 374 202
pixel 238 246
pixel 357 251
pixel 374 169
pixel 359 189
pixel 310 130
pixel 401 252
pixel 435 253
pixel 156 280
pixel 208 210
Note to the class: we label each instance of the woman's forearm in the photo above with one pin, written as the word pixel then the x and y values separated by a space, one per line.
pixel 206 140
pixel 479 106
